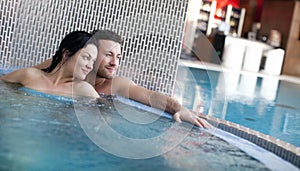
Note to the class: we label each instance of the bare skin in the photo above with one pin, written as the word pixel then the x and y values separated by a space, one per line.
pixel 104 81
pixel 66 80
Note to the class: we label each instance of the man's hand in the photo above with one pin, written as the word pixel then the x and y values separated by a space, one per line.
pixel 186 115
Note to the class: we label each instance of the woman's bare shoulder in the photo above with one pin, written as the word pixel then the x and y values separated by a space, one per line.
pixel 83 88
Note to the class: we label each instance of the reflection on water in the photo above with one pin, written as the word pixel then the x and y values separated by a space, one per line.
pixel 269 88
pixel 247 85
pixel 44 134
pixel 245 99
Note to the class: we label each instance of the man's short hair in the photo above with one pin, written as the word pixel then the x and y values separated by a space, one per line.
pixel 107 35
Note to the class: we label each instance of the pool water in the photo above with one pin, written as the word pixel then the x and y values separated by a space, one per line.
pixel 265 104
pixel 39 133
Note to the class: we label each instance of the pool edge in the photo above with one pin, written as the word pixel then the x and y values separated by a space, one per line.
pixel 280 148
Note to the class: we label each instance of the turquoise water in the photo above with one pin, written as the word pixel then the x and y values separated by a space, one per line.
pixel 39 133
pixel 44 132
pixel 265 104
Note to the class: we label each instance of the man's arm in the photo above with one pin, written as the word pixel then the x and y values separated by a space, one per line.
pixel 43 65
pixel 129 89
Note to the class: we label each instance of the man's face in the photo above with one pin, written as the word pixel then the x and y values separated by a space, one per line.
pixel 109 54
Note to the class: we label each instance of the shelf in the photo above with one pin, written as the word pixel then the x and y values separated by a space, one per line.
pixel 204 16
pixel 235 18
pixel 201 10
pixel 206 6
pixel 202 21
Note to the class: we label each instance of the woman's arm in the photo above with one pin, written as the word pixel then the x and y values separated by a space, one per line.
pixel 18 76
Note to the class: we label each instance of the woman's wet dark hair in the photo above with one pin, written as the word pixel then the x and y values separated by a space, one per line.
pixel 71 44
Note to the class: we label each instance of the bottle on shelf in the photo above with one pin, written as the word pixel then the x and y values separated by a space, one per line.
pixel 235 18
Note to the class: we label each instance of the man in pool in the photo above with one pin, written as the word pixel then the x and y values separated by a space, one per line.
pixel 102 77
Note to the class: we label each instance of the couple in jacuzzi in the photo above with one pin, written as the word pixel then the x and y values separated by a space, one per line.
pixel 85 65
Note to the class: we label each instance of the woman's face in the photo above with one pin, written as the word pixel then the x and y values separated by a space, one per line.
pixel 82 62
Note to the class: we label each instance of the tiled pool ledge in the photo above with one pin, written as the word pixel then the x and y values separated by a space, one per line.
pixel 216 67
pixel 281 148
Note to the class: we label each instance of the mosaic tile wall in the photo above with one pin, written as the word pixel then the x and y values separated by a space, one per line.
pixel 152 31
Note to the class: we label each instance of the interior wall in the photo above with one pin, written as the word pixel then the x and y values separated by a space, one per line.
pixel 292 56
pixel 283 15
pixel 277 15
pixel 251 9
pixel 152 31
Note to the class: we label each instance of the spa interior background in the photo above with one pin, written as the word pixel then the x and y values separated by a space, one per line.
pixel 260 36
pixel 246 35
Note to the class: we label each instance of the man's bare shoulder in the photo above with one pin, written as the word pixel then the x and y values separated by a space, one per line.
pixel 121 80
pixel 122 86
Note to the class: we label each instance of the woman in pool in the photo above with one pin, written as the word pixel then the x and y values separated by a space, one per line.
pixel 70 65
